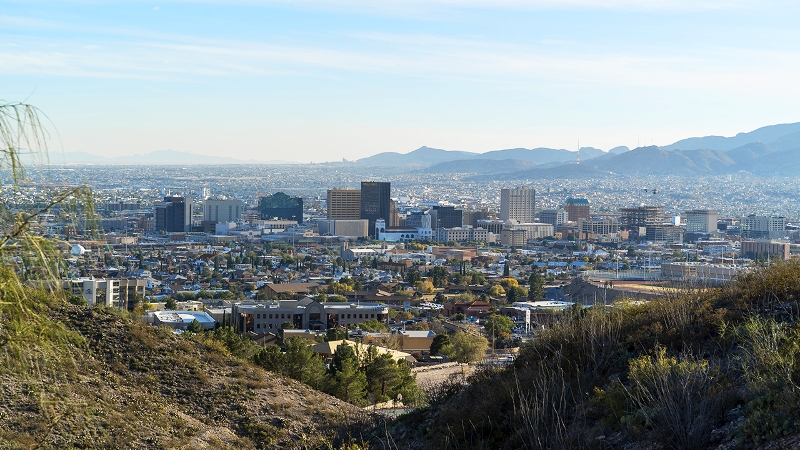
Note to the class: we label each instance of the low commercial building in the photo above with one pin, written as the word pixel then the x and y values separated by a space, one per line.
pixel 304 314
pixel 350 228
pixel 765 249
pixel 416 341
pixel 179 320
pixel 694 271
pixel 274 290
pixel 460 234
pixel 535 230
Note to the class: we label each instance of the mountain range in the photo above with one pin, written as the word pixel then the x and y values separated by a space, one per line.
pixel 770 150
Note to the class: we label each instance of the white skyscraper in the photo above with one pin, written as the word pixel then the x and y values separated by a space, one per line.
pixel 518 204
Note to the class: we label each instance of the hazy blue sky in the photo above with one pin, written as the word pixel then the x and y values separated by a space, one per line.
pixel 325 80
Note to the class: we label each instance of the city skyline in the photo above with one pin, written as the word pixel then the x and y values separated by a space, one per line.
pixel 314 81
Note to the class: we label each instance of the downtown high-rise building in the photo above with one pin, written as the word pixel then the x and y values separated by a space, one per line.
pixel 518 204
pixel 376 202
pixel 281 206
pixel 344 204
pixel 576 208
pixel 701 221
pixel 174 214
pixel 225 210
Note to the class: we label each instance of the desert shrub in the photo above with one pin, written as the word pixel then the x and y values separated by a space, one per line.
pixel 768 417
pixel 542 408
pixel 678 398
pixel 768 353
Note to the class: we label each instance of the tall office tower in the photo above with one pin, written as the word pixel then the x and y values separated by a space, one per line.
pixel 763 227
pixel 174 214
pixel 446 217
pixel 701 221
pixel 222 210
pixel 517 204
pixel 375 202
pixel 281 206
pixel 577 208
pixel 344 204
pixel 641 216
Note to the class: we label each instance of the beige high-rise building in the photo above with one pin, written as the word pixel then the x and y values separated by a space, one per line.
pixel 222 210
pixel 701 221
pixel 344 204
pixel 518 204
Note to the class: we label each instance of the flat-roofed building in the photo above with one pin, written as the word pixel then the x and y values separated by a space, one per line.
pixel 598 226
pixel 281 206
pixel 180 320
pixel 554 217
pixel 228 210
pixel 535 230
pixel 518 204
pixel 446 217
pixel 762 227
pixel 577 208
pixel 513 237
pixel 701 220
pixel 265 317
pixel 350 228
pixel 491 225
pixel 272 290
pixel 641 216
pixel 460 234
pixel 765 249
pixel 376 202
pixel 664 234
pixel 174 214
pixel 344 204
pixel 695 271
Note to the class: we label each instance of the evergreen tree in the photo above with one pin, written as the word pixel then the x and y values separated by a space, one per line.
pixel 382 376
pixel 536 287
pixel 349 383
pixel 336 334
pixel 343 353
pixel 271 358
pixel 170 303
pixel 439 342
pixel 302 364
pixel 195 326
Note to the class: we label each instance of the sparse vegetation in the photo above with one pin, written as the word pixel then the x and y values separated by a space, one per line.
pixel 700 368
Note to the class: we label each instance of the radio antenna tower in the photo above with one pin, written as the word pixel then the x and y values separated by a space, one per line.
pixel 578 158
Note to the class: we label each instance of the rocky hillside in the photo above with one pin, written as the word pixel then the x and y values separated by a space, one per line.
pixel 78 377
pixel 702 368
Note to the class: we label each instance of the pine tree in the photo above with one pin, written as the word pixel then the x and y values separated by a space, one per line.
pixel 536 288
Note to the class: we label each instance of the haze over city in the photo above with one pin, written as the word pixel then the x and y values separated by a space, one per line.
pixel 403 224
pixel 322 81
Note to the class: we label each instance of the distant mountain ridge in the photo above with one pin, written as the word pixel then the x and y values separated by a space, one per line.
pixel 768 134
pixel 770 150
pixel 157 157
pixel 427 157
